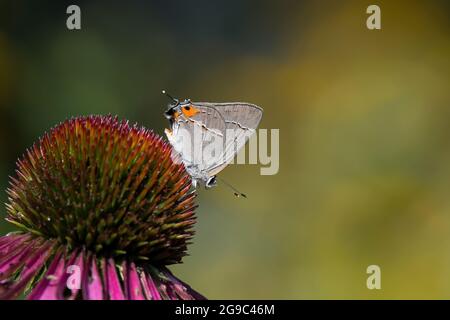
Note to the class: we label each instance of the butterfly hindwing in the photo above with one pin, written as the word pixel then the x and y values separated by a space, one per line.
pixel 230 124
pixel 241 120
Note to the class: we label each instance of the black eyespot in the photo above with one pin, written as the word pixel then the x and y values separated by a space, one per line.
pixel 187 108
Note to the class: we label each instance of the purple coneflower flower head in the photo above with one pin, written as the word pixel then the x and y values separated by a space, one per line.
pixel 102 210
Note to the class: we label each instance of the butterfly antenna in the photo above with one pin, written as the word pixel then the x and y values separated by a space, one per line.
pixel 169 96
pixel 236 192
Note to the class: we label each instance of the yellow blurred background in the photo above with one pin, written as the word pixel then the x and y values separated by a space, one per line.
pixel 364 119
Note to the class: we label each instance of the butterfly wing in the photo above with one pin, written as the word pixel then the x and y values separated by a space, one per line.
pixel 203 124
pixel 241 120
pixel 191 133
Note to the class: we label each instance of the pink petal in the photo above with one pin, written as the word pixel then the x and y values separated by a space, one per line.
pixel 92 283
pixel 47 288
pixel 54 283
pixel 182 289
pixel 154 293
pixel 112 281
pixel 145 287
pixel 8 242
pixel 15 258
pixel 133 285
pixel 32 264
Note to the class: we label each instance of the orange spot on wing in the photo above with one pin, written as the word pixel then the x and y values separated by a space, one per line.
pixel 176 114
pixel 189 111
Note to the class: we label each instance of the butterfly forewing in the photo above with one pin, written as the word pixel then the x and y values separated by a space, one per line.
pixel 193 134
pixel 236 114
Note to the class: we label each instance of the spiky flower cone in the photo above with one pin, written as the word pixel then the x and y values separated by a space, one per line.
pixel 103 209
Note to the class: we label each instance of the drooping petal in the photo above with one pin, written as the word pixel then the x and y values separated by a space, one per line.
pixel 47 288
pixel 113 282
pixel 183 290
pixel 132 283
pixel 178 291
pixel 31 266
pixel 10 241
pixel 154 293
pixel 166 292
pixel 15 258
pixel 92 281
pixel 53 285
pixel 114 288
pixel 144 284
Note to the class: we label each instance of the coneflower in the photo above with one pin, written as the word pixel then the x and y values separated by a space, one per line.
pixel 102 210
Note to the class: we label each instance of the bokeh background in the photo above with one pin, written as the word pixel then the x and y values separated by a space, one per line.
pixel 364 119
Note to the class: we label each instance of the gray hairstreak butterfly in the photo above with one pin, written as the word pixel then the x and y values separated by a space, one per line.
pixel 206 136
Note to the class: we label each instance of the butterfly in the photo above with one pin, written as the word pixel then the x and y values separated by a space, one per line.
pixel 207 135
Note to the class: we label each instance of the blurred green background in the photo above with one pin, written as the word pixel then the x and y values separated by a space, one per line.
pixel 364 119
